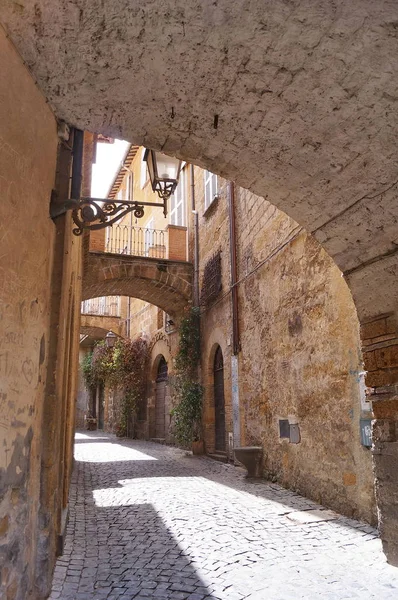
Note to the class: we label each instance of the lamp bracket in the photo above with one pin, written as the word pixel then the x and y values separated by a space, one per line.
pixel 98 213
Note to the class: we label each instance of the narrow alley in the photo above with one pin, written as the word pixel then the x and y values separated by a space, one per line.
pixel 151 521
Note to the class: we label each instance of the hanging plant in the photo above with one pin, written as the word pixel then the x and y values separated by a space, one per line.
pixel 188 412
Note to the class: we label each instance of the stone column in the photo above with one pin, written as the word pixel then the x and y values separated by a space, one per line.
pixel 380 347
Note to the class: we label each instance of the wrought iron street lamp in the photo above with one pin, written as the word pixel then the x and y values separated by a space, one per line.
pixel 97 213
pixel 110 339
pixel 164 173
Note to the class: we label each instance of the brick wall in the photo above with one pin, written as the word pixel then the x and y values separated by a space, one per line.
pixel 177 242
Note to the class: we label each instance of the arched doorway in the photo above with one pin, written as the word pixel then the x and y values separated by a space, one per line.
pixel 160 400
pixel 219 400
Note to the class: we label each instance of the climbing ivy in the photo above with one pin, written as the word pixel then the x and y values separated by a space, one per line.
pixel 188 393
pixel 87 371
pixel 188 355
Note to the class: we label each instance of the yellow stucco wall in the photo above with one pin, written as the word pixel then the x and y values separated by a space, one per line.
pixel 28 145
pixel 39 331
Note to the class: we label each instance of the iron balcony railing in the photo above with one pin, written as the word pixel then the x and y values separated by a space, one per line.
pixel 136 241
pixel 105 306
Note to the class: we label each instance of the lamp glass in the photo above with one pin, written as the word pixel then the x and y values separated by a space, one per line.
pixel 167 166
pixel 110 339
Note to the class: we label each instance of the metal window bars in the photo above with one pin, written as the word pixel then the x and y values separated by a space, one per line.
pixel 136 241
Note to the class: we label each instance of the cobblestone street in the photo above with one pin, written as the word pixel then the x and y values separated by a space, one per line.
pixel 150 521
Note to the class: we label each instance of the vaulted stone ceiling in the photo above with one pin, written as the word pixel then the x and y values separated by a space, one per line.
pixel 294 99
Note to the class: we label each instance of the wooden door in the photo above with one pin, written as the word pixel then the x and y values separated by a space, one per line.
pixel 160 402
pixel 219 401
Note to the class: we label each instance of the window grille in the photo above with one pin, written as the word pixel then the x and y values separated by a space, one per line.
pixel 211 284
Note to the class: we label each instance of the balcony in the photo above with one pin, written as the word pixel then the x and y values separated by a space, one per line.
pixel 169 243
pixel 136 241
pixel 105 306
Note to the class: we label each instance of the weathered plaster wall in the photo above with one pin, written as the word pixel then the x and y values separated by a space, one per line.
pixel 300 353
pixel 28 146
pixel 143 319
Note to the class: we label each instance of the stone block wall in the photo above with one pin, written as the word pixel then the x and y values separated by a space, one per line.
pixel 380 347
pixel 380 344
pixel 300 358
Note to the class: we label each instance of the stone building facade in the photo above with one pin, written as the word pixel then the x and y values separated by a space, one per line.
pixel 295 381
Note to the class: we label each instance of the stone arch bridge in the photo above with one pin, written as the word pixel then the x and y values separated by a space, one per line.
pixel 164 283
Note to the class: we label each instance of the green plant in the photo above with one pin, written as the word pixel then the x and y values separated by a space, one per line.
pixel 122 369
pixel 188 355
pixel 188 392
pixel 188 412
pixel 130 357
pixel 102 363
pixel 87 371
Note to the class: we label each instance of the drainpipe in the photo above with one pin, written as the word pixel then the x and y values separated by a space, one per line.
pixel 196 240
pixel 130 241
pixel 234 288
pixel 235 316
pixel 130 192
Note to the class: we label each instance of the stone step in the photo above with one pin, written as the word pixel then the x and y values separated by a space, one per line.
pixel 218 455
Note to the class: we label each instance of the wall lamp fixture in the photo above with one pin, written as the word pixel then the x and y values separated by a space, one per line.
pixel 110 339
pixel 97 213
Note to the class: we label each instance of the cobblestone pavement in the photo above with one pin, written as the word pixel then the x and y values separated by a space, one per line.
pixel 149 521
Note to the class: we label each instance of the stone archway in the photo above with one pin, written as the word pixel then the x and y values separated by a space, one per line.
pixel 164 283
pixel 159 351
pixel 295 101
